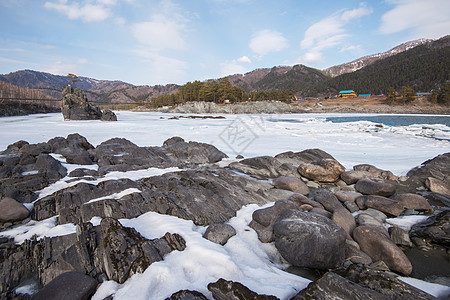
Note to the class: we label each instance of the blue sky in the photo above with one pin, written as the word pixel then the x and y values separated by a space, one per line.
pixel 172 41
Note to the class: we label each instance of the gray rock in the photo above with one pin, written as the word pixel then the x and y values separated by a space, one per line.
pixel 263 167
pixel 68 286
pixel 12 211
pixel 388 206
pixel 309 240
pixel 351 206
pixel 437 186
pixel 400 236
pixel 351 177
pixel 378 215
pixel 264 219
pixel 333 286
pixel 345 219
pixel 375 242
pixel 322 170
pixel 369 187
pixel 187 295
pixel 291 183
pixel 108 115
pixel 345 196
pixel 219 233
pixel 328 200
pixel 436 168
pixel 435 229
pixel 228 290
pixel 385 283
pixel 356 256
pixel 413 201
pixel 301 199
pixel 305 156
pixel 378 173
pixel 366 219
pixel 75 106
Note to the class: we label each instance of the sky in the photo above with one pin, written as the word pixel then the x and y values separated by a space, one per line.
pixel 150 42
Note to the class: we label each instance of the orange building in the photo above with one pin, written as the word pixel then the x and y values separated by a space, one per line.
pixel 347 94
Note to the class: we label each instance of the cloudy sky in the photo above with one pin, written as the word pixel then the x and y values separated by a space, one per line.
pixel 174 41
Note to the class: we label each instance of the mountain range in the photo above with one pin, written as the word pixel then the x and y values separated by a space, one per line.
pixel 420 64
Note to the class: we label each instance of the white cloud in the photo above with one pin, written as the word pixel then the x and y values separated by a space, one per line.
pixel 351 48
pixel 244 59
pixel 162 69
pixel 87 12
pixel 231 68
pixel 267 41
pixel 328 33
pixel 60 68
pixel 160 33
pixel 425 19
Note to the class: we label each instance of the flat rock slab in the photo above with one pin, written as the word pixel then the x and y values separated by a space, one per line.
pixel 68 286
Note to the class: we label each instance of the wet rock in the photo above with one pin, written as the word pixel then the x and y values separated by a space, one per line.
pixel 413 201
pixel 351 177
pixel 369 187
pixel 309 240
pixel 385 283
pixel 228 290
pixel 435 229
pixel 437 186
pixel 219 233
pixel 264 219
pixel 187 295
pixel 333 286
pixel 375 242
pixel 263 167
pixel 322 170
pixel 291 183
pixel 12 211
pixel 70 286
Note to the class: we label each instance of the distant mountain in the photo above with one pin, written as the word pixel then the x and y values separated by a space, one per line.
pixel 101 91
pixel 370 59
pixel 421 67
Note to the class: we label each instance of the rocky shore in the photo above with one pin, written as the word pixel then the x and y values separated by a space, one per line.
pixel 354 105
pixel 334 226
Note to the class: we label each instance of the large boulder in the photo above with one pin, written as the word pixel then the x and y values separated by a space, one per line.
pixel 375 241
pixel 264 219
pixel 388 206
pixel 322 170
pixel 351 177
pixel 437 186
pixel 187 295
pixel 413 201
pixel 309 240
pixel 305 156
pixel 12 211
pixel 219 233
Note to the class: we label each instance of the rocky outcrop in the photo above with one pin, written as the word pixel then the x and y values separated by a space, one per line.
pixel 75 106
pixel 310 222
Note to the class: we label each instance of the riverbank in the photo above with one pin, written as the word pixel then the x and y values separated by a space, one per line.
pixel 353 105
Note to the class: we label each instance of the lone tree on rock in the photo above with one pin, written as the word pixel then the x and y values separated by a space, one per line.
pixel 73 78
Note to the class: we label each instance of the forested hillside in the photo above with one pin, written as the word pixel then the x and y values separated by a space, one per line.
pixel 421 68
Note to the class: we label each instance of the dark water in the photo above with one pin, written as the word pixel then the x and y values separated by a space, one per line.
pixel 394 120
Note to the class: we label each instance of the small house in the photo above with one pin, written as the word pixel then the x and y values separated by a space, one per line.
pixel 347 94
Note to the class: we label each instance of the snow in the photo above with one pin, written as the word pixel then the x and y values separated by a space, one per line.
pixel 244 258
pixel 437 290
pixel 116 195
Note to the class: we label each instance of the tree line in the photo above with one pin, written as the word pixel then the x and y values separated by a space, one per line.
pixel 219 92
